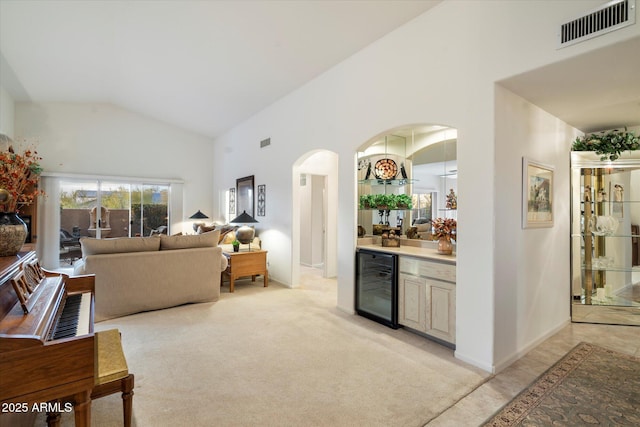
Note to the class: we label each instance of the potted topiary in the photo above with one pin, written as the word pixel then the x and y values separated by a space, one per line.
pixel 609 145
pixel 236 245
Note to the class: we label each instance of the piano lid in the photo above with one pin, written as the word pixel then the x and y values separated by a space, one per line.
pixel 34 327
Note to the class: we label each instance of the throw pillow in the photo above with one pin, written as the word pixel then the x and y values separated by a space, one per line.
pixel 223 236
pixel 92 246
pixel 229 237
pixel 203 240
pixel 205 229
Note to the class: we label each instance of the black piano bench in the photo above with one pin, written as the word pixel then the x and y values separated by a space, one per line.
pixel 112 375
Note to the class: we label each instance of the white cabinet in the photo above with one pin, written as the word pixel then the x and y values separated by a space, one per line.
pixel 427 297
pixel 412 301
pixel 441 313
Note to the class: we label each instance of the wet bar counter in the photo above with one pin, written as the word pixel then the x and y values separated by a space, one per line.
pixel 426 288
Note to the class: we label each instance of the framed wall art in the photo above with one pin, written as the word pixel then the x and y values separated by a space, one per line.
pixel 537 194
pixel 232 202
pixel 262 199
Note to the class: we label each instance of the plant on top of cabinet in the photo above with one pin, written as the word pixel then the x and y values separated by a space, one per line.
pixel 445 228
pixel 609 145
pixel 19 179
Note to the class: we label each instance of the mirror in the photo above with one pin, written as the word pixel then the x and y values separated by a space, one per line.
pixel 419 162
pixel 244 195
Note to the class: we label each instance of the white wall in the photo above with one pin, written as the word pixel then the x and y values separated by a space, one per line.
pixel 451 57
pixel 532 280
pixel 6 113
pixel 102 139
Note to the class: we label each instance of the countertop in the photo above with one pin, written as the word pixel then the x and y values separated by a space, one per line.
pixel 406 250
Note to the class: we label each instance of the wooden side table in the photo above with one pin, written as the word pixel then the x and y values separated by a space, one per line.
pixel 246 263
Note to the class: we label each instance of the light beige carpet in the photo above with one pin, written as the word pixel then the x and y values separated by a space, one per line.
pixel 279 357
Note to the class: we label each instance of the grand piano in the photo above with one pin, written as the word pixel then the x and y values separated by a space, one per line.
pixel 47 342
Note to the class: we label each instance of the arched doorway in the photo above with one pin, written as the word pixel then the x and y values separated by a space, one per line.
pixel 314 204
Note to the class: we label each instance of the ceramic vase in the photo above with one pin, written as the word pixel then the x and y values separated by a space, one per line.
pixel 13 233
pixel 445 247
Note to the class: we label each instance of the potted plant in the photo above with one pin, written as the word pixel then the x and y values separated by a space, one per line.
pixel 19 177
pixel 380 201
pixel 392 201
pixel 403 201
pixel 366 201
pixel 609 145
pixel 445 229
pixel 236 245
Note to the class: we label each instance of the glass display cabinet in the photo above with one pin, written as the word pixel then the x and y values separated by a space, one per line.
pixel 605 238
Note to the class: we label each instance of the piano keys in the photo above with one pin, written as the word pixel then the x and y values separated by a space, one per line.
pixel 74 320
pixel 48 352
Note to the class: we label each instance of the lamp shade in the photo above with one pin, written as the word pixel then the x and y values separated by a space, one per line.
pixel 198 215
pixel 243 218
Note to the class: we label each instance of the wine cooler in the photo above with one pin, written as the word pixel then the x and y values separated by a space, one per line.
pixel 377 286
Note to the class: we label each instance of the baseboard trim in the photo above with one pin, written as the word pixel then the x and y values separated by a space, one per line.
pixel 517 355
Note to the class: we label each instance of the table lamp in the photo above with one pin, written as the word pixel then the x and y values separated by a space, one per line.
pixel 198 215
pixel 244 234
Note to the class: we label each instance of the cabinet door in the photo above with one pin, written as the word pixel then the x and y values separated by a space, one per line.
pixel 440 316
pixel 411 299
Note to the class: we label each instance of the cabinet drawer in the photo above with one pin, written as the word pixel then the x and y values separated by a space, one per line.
pixel 430 269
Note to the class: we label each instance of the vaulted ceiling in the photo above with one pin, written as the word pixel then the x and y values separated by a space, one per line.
pixel 209 65
pixel 201 65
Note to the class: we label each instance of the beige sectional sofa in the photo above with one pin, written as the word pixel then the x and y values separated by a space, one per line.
pixel 149 273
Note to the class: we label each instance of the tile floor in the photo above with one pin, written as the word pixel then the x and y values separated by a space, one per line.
pixel 479 405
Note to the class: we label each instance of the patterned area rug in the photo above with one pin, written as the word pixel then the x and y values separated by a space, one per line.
pixel 589 386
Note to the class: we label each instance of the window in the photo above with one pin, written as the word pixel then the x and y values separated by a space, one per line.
pixel 102 207
pixel 422 206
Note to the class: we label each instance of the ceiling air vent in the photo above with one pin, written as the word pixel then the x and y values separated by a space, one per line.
pixel 609 17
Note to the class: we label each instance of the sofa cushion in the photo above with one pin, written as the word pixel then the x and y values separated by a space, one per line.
pixel 189 241
pixel 423 228
pixel 92 246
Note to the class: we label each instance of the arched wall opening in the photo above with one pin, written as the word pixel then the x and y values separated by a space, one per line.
pixel 419 161
pixel 315 166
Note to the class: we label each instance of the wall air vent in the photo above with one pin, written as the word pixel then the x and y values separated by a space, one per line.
pixel 609 17
pixel 265 142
